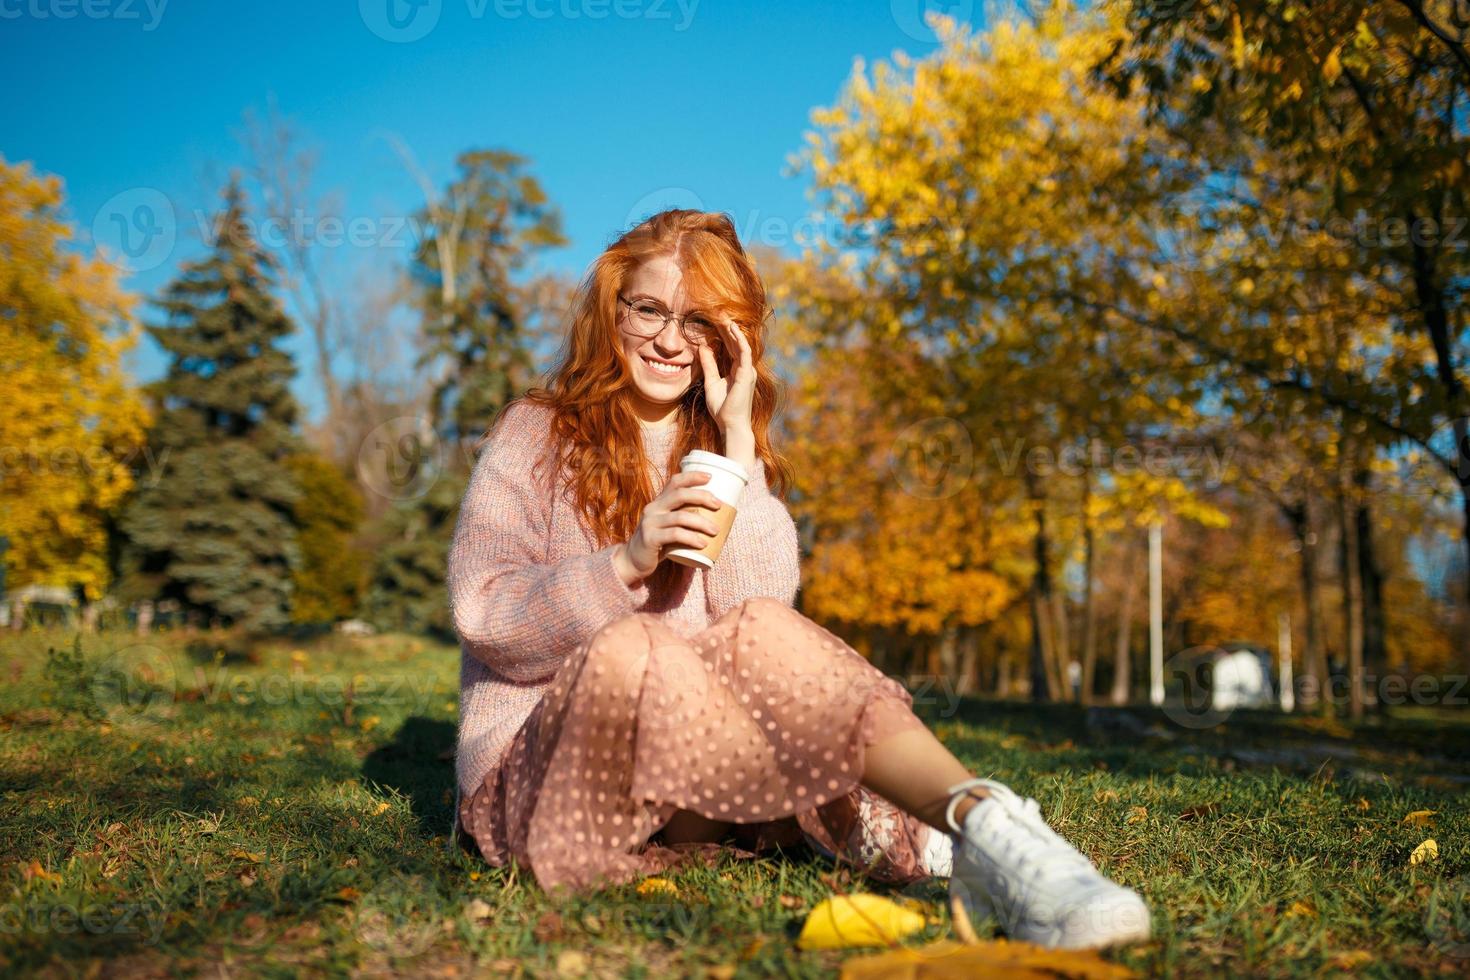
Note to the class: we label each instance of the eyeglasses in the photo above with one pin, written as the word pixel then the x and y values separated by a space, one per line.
pixel 649 318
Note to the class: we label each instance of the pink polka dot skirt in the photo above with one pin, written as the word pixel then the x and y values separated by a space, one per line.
pixel 761 721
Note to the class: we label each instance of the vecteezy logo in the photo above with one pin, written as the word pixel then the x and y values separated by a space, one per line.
pixel 1201 701
pixel 673 686
pixel 909 15
pixel 136 229
pixel 400 459
pixel 135 685
pixel 400 21
pixel 933 458
pixel 396 916
pixel 1447 917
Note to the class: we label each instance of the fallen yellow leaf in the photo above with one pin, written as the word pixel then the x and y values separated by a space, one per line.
pixel 571 963
pixel 947 959
pixel 1426 851
pixel 1303 909
pixel 657 886
pixel 1105 796
pixel 244 855
pixel 1137 814
pixel 1351 960
pixel 34 870
pixel 1419 818
pixel 380 808
pixel 857 920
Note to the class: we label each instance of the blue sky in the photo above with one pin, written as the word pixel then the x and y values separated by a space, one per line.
pixel 622 106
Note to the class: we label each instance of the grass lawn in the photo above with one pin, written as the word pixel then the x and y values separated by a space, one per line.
pixel 282 808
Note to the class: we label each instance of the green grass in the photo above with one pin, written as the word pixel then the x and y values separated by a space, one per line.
pixel 282 808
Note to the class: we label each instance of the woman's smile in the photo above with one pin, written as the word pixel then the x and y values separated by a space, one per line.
pixel 666 369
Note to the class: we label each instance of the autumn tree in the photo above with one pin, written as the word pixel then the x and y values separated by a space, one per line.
pixel 72 428
pixel 329 581
pixel 1014 217
pixel 1361 104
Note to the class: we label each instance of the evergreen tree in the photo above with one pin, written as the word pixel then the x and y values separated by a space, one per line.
pixel 215 530
pixel 490 223
pixel 407 587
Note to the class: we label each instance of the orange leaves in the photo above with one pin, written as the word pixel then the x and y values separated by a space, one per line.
pixel 948 960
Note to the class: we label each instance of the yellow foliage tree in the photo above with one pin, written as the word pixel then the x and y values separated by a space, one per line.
pixel 71 424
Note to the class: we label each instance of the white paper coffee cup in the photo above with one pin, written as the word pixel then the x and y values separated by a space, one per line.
pixel 727 480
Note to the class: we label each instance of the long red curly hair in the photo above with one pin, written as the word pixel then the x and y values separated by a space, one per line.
pixel 595 432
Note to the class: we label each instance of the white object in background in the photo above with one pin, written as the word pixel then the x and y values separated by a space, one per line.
pixel 1240 681
pixel 1288 681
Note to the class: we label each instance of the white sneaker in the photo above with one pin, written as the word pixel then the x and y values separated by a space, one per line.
pixel 1009 865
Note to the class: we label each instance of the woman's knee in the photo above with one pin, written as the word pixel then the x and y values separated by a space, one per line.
pixel 616 653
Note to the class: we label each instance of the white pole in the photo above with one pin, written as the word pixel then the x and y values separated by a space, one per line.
pixel 1156 613
pixel 1283 644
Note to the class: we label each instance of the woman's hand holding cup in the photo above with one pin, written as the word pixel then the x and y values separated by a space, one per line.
pixel 669 521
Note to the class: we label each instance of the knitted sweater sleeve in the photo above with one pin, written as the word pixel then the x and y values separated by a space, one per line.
pixel 761 553
pixel 515 612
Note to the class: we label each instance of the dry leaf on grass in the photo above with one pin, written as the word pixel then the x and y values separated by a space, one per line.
pixel 947 959
pixel 657 886
pixel 1419 818
pixel 571 963
pixel 34 870
pixel 857 920
pixel 1427 851
pixel 1352 960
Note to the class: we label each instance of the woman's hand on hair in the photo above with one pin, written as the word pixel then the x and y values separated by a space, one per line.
pixel 729 398
pixel 669 521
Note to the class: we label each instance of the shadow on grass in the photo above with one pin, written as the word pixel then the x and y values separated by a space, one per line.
pixel 412 765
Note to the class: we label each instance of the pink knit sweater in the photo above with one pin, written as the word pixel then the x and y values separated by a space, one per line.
pixel 527 584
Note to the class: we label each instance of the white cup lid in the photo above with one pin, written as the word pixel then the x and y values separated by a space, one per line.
pixel 714 460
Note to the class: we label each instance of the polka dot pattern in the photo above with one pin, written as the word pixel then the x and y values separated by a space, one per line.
pixel 760 721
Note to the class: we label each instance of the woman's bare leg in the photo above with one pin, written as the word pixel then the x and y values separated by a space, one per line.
pixel 911 769
pixel 914 771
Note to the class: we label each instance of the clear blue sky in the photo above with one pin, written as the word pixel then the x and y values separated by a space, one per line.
pixel 622 106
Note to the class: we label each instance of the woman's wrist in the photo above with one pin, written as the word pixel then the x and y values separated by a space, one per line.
pixel 626 572
pixel 740 446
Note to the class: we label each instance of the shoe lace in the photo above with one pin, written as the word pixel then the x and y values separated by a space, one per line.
pixel 1025 840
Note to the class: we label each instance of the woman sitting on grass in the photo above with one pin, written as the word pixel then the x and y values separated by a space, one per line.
pixel 619 714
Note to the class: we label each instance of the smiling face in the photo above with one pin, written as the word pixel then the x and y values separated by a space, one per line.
pixel 664 365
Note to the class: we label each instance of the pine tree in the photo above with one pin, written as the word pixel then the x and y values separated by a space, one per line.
pixel 489 224
pixel 215 529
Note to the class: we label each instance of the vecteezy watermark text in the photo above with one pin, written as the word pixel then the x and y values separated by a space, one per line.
pixel 148 12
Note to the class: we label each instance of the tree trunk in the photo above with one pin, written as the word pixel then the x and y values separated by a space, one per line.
pixel 1122 653
pixel 1314 657
pixel 1370 574
pixel 1061 631
pixel 1089 604
pixel 1044 684
pixel 1352 605
pixel 969 660
pixel 1430 291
